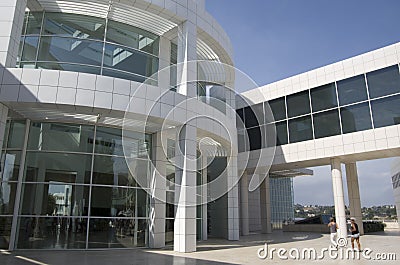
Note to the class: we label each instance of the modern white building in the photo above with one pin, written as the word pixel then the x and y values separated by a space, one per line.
pixel 131 105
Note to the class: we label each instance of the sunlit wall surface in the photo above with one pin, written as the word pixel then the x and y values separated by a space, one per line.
pixel 76 189
pixel 71 42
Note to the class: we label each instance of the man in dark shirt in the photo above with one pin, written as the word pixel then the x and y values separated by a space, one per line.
pixel 355 233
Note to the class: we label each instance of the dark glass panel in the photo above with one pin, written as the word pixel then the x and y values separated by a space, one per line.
pixel 356 118
pixel 323 97
pixel 30 48
pixel 111 170
pixel 278 108
pixel 132 37
pixel 71 25
pixel 117 233
pixel 125 75
pixel 352 90
pixel 11 160
pixel 7 198
pixel 281 133
pixel 326 123
pixel 129 60
pixel 298 104
pixel 5 231
pixel 253 117
pixel 61 137
pixel 54 199
pixel 59 167
pixel 34 23
pixel 386 111
pixel 16 134
pixel 169 231
pixel 51 233
pixel 384 82
pixel 255 138
pixel 70 67
pixel 70 50
pixel 300 129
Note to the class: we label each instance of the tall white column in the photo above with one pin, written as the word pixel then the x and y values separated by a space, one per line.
pixel 158 195
pixel 185 196
pixel 338 197
pixel 244 204
pixel 265 205
pixel 354 194
pixel 11 20
pixel 164 56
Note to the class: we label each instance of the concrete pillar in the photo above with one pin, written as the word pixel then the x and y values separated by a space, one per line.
pixel 11 21
pixel 187 51
pixel 244 204
pixel 338 196
pixel 204 199
pixel 265 205
pixel 354 194
pixel 158 194
pixel 164 63
pixel 185 195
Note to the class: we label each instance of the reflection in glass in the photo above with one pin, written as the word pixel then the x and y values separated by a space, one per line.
pixel 169 231
pixel 326 123
pixel 54 199
pixel 70 50
pixel 323 97
pixel 51 233
pixel 34 23
pixel 255 139
pixel 300 129
pixel 355 118
pixel 278 108
pixel 16 134
pixel 281 133
pixel 386 111
pixel 30 48
pixel 5 231
pixel 251 118
pixel 118 202
pixel 70 67
pixel 71 25
pixel 69 168
pixel 117 233
pixel 298 104
pixel 111 170
pixel 11 160
pixel 384 82
pixel 7 198
pixel 352 90
pixel 61 137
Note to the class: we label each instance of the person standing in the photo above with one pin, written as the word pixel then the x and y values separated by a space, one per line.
pixel 333 227
pixel 355 233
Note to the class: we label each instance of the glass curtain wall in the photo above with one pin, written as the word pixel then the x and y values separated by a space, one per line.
pixel 77 191
pixel 71 42
pixel 354 104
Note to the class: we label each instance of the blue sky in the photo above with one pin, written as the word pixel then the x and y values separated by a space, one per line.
pixel 273 40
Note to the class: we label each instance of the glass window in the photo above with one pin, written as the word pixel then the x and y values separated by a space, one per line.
pixel 323 97
pixel 242 136
pixel 11 165
pixel 326 123
pixel 118 202
pixel 117 233
pixel 298 104
pixel 70 67
pixel 300 129
pixel 384 81
pixel 132 37
pixel 59 167
pixel 34 23
pixel 7 198
pixel 255 138
pixel 61 137
pixel 51 233
pixel 251 117
pixel 129 60
pixel 111 170
pixel 281 133
pixel 125 75
pixel 174 53
pixel 5 231
pixel 30 48
pixel 268 134
pixel 240 118
pixel 278 108
pixel 16 134
pixel 352 90
pixel 355 118
pixel 56 49
pixel 71 25
pixel 54 199
pixel 386 111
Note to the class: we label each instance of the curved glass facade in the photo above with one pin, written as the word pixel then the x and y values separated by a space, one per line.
pixel 76 191
pixel 71 42
pixel 354 104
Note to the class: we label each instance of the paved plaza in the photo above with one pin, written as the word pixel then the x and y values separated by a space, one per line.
pixel 215 251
